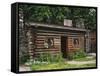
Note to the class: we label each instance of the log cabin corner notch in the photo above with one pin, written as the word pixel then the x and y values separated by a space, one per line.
pixel 54 39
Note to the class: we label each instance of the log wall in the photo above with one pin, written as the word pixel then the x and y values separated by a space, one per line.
pixel 40 40
pixel 37 39
pixel 71 46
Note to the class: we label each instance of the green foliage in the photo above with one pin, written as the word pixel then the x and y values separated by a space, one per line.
pixel 23 57
pixel 60 66
pixel 23 47
pixel 57 62
pixel 56 14
pixel 50 58
pixel 70 56
pixel 77 54
pixel 85 59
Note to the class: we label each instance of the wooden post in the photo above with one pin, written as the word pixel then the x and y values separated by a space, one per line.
pixel 87 41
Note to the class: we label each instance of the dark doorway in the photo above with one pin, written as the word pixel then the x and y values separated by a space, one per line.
pixel 64 46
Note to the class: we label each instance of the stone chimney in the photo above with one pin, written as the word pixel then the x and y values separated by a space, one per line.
pixel 67 22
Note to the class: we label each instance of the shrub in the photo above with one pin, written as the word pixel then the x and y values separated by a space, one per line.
pixel 23 55
pixel 77 54
pixel 70 56
pixel 50 57
pixel 23 58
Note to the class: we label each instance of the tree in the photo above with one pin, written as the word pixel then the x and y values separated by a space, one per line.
pixel 56 14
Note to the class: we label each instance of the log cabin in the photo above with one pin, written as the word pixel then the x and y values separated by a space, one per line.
pixel 55 39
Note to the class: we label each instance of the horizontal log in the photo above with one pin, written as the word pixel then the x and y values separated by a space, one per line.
pixel 70 39
pixel 42 42
pixel 55 32
pixel 39 37
pixel 38 46
pixel 76 36
pixel 56 43
pixel 48 49
pixel 47 31
pixel 57 40
pixel 52 34
pixel 70 46
pixel 70 42
pixel 42 45
pixel 39 42
pixel 58 32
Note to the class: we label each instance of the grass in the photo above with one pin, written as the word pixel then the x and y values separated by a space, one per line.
pixel 52 66
pixel 85 59
pixel 57 62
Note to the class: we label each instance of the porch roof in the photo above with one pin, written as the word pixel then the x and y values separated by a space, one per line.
pixel 56 27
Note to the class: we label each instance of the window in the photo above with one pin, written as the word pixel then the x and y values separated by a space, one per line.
pixel 76 42
pixel 48 42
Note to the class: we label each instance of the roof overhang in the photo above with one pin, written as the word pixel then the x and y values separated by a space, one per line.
pixel 40 25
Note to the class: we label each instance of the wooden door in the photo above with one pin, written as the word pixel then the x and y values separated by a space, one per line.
pixel 64 46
